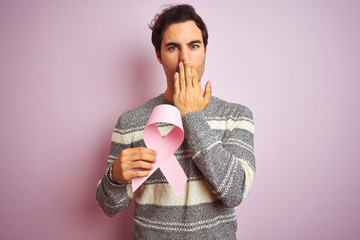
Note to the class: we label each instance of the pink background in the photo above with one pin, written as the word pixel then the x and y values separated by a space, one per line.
pixel 68 69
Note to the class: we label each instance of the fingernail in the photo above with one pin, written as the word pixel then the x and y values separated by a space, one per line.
pixel 176 74
pixel 155 153
pixel 181 64
pixel 191 62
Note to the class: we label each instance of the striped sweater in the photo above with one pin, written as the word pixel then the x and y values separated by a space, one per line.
pixel 217 156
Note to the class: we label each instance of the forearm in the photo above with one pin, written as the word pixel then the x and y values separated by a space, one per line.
pixel 228 168
pixel 112 198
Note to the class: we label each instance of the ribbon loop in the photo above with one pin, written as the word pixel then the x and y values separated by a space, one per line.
pixel 165 147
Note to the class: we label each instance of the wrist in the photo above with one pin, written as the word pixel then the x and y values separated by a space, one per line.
pixel 111 173
pixel 112 176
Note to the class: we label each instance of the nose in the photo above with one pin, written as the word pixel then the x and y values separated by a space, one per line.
pixel 185 55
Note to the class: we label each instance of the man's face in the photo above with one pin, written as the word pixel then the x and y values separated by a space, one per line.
pixel 182 42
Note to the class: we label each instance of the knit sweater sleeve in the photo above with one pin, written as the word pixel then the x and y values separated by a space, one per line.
pixel 223 151
pixel 114 198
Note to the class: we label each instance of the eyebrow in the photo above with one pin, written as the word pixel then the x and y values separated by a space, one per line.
pixel 177 44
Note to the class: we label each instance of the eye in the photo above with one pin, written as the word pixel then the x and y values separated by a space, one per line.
pixel 173 48
pixel 194 46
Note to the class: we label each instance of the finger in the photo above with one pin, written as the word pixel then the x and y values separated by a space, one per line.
pixel 188 76
pixel 135 174
pixel 142 150
pixel 207 93
pixel 182 76
pixel 142 156
pixel 138 174
pixel 176 83
pixel 142 165
pixel 195 80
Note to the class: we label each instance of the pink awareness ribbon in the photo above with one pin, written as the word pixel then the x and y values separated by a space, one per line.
pixel 165 147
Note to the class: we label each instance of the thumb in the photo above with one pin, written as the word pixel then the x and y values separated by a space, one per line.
pixel 208 91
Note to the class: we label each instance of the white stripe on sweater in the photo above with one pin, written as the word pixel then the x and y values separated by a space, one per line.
pixel 229 184
pixel 131 137
pixel 238 142
pixel 207 149
pixel 195 192
pixel 230 171
pixel 249 176
pixel 188 224
pixel 229 124
pixel 189 227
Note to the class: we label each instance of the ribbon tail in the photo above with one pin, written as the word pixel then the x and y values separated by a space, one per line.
pixel 136 183
pixel 174 174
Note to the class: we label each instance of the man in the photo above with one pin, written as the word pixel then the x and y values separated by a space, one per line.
pixel 216 155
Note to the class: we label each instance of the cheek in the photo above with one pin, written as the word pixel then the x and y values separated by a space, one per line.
pixel 170 62
pixel 198 57
pixel 200 64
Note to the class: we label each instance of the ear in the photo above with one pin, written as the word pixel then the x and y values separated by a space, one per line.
pixel 158 57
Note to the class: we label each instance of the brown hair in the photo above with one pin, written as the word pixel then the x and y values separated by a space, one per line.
pixel 175 14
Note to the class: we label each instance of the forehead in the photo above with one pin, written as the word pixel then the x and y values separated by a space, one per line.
pixel 183 32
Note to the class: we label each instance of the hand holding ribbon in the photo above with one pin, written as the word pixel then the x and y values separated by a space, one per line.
pixel 165 147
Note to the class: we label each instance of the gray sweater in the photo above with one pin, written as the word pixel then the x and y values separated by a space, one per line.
pixel 217 156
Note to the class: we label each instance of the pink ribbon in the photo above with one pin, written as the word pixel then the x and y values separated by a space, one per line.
pixel 165 147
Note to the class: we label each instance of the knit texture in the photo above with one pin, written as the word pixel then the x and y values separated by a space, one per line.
pixel 217 156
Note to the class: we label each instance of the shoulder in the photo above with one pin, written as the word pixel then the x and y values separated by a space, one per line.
pixel 221 108
pixel 139 116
